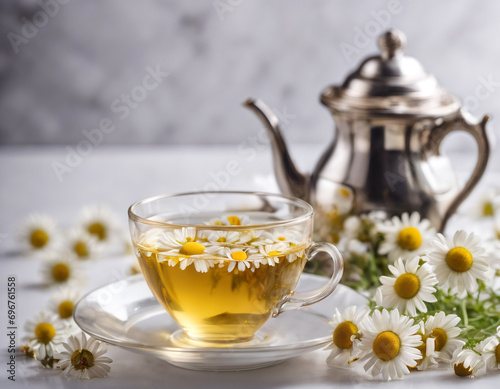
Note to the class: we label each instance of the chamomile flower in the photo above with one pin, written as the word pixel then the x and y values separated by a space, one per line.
pixel 39 234
pixel 490 350
pixel 343 198
pixel 347 332
pixel 295 252
pixel 443 329
pixel 406 237
pixel 357 247
pixel 222 237
pixel 62 271
pixel 487 205
pixel 194 253
pixel 388 346
pixel 458 264
pixel 44 333
pixel 63 302
pixel 149 239
pixel 284 237
pixel 230 220
pixel 81 245
pixel 239 259
pixel 427 349
pixel 270 254
pixel 100 222
pixel 252 237
pixel 176 239
pixel 409 289
pixel 83 358
pixel 466 363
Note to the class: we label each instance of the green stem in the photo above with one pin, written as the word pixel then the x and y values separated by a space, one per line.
pixel 464 313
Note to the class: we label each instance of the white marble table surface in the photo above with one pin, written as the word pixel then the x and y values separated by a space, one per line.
pixel 117 177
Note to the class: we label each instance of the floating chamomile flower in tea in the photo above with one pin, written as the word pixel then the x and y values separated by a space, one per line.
pixel 84 358
pixel 240 259
pixel 459 263
pixel 44 333
pixel 283 236
pixel 270 253
pixel 178 239
pixel 229 220
pixel 406 237
pixel 223 237
pixel 39 234
pixel 409 289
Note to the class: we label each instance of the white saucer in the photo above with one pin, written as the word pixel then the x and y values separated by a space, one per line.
pixel 127 315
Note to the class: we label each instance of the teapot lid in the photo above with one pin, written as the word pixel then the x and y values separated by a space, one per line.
pixel 391 84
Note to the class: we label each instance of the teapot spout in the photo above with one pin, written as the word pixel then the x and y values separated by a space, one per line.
pixel 290 180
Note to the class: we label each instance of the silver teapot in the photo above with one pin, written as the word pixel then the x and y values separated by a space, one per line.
pixel 391 117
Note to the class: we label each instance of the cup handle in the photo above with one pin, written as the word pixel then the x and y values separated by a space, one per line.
pixel 293 301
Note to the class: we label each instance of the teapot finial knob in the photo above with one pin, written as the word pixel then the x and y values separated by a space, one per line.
pixel 392 43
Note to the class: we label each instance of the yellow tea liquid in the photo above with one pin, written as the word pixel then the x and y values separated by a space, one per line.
pixel 219 305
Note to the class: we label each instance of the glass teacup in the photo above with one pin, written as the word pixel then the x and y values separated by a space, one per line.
pixel 223 263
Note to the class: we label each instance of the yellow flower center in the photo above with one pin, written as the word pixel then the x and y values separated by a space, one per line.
pixel 60 272
pixel 423 346
pixel 441 338
pixel 45 332
pixel 344 192
pixel 39 238
pixel 98 229
pixel 407 285
pixel 461 370
pixel 221 239
pixel 497 353
pixel 82 359
pixel 342 334
pixel 281 238
pixel 192 248
pixel 409 238
pixel 488 209
pixel 386 345
pixel 65 309
pixel 234 220
pixel 239 255
pixel 81 249
pixel 273 253
pixel 459 259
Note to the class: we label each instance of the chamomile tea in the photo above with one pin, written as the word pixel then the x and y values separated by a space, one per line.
pixel 221 286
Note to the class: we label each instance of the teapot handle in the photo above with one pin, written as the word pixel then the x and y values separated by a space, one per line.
pixel 463 121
